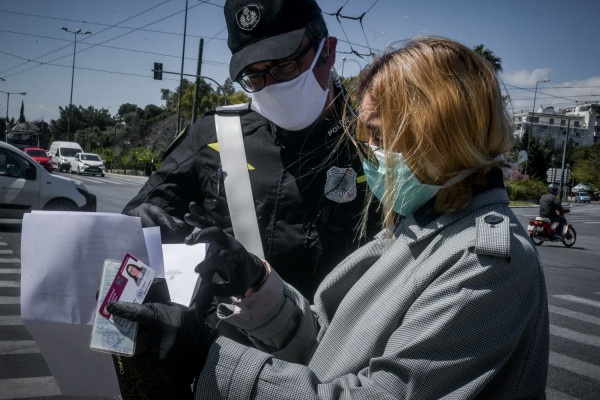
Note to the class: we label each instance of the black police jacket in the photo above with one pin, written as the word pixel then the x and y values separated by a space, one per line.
pixel 306 228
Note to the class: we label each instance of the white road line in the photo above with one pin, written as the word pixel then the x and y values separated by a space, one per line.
pixel 10 270
pixel 574 336
pixel 10 260
pixel 10 284
pixel 553 394
pixel 23 388
pixel 574 314
pixel 10 300
pixel 579 300
pixel 590 222
pixel 19 347
pixel 574 365
pixel 6 251
pixel 3 244
pixel 10 320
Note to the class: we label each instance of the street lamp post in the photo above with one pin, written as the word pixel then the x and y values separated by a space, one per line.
pixel 343 63
pixel 8 101
pixel 562 175
pixel 532 116
pixel 75 33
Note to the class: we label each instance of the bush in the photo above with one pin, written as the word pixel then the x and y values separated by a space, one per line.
pixel 525 189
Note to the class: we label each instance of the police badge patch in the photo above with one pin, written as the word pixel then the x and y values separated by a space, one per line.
pixel 248 17
pixel 341 184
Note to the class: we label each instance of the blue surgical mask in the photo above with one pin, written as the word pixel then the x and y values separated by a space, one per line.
pixel 409 193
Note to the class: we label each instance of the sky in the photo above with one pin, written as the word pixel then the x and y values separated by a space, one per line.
pixel 536 40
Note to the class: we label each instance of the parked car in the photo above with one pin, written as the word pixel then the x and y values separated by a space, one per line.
pixel 582 197
pixel 41 156
pixel 62 154
pixel 25 185
pixel 88 163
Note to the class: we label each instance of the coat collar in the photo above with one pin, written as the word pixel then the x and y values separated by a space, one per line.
pixel 426 222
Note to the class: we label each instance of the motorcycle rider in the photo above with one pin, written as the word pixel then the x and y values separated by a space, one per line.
pixel 550 206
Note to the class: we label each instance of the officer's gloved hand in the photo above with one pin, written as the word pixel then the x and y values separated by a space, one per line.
pixel 207 216
pixel 181 335
pixel 172 228
pixel 227 257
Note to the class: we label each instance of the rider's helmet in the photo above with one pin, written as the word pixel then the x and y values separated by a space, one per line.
pixel 553 188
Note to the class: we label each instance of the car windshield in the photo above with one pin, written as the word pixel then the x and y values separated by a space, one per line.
pixel 69 152
pixel 90 157
pixel 36 153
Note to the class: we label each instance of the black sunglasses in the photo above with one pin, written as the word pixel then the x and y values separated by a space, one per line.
pixel 286 70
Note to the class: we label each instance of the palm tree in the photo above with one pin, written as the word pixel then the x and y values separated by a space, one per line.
pixel 489 56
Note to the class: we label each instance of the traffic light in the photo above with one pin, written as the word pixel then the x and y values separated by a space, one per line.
pixel 158 69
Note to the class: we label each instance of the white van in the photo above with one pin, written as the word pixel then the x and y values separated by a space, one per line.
pixel 63 153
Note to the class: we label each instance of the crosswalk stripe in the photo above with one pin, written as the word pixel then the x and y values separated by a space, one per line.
pixel 576 299
pixel 10 284
pixel 10 320
pixel 583 338
pixel 553 394
pixel 23 388
pixel 574 365
pixel 10 260
pixel 19 347
pixel 3 244
pixel 590 222
pixel 2 251
pixel 10 270
pixel 574 314
pixel 10 300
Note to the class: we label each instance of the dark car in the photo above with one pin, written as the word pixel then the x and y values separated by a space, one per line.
pixel 41 156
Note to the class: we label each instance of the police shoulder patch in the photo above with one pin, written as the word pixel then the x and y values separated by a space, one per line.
pixel 248 17
pixel 341 184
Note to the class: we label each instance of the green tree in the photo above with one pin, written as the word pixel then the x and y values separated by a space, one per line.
pixel 81 118
pixel 22 114
pixel 586 165
pixel 489 55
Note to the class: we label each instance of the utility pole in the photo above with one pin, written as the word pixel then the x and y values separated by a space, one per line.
pixel 562 173
pixel 198 69
pixel 181 76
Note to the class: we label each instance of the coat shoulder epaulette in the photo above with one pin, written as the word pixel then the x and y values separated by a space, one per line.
pixel 492 235
pixel 182 135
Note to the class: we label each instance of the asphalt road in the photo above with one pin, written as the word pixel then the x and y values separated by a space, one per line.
pixel 572 278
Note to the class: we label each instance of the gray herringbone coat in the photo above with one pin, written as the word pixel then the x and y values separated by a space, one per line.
pixel 451 308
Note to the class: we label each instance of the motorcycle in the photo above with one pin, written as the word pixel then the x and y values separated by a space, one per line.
pixel 542 230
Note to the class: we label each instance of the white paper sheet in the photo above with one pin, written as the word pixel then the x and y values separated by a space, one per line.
pixel 180 261
pixel 60 276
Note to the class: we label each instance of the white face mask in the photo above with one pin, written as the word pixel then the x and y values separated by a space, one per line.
pixel 293 105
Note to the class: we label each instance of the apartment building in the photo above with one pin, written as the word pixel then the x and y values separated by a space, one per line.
pixel 548 124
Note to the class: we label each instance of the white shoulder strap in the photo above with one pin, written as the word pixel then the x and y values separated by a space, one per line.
pixel 237 183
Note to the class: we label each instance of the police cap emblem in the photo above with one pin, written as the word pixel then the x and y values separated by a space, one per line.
pixel 341 184
pixel 247 18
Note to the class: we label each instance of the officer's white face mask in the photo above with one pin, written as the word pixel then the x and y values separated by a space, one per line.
pixel 293 105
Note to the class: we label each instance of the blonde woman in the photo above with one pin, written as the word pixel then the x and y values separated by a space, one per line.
pixel 449 302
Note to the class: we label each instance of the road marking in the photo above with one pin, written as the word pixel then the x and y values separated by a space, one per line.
pixel 3 243
pixel 576 299
pixel 574 365
pixel 22 388
pixel 10 270
pixel 590 222
pixel 574 336
pixel 553 394
pixel 19 347
pixel 10 300
pixel 574 314
pixel 6 251
pixel 10 284
pixel 10 320
pixel 10 260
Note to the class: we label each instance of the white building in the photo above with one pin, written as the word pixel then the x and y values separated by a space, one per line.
pixel 547 124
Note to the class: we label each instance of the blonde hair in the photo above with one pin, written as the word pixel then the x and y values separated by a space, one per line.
pixel 441 107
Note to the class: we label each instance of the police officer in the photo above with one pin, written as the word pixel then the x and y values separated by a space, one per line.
pixel 550 205
pixel 308 185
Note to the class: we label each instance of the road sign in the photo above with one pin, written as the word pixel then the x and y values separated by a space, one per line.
pixel 554 175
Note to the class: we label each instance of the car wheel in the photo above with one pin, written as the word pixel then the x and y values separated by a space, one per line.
pixel 102 175
pixel 60 205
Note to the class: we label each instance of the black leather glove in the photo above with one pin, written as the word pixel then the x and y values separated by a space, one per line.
pixel 227 258
pixel 207 216
pixel 181 335
pixel 172 228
